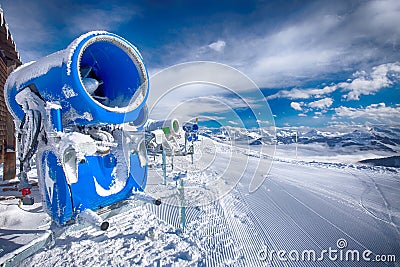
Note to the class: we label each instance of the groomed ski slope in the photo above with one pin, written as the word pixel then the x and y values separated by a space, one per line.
pixel 299 206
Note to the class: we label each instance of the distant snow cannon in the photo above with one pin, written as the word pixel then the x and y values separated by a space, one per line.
pixel 191 135
pixel 191 130
pixel 161 135
pixel 72 105
pixel 169 127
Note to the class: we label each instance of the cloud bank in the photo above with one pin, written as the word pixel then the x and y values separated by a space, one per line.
pixel 327 38
pixel 376 113
pixel 382 76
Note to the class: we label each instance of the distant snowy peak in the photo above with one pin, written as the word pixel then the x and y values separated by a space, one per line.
pixel 238 135
pixel 378 138
pixel 386 139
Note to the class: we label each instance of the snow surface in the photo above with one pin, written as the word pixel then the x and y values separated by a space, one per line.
pixel 301 205
pixel 135 238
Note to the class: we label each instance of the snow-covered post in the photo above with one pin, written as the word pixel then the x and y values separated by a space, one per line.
pixel 186 140
pixel 164 164
pixel 192 152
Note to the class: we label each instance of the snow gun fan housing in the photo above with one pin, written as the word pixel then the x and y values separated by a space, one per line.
pixel 99 79
pixel 70 106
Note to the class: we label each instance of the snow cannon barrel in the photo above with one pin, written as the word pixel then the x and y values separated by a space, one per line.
pixel 169 127
pixel 100 78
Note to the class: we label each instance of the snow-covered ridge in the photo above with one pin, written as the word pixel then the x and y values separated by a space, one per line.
pixel 377 138
pixel 374 137
pixel 339 148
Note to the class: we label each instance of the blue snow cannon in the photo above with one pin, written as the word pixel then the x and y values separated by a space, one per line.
pixel 80 110
pixel 191 131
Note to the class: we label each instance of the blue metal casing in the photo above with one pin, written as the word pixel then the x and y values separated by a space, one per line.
pixel 60 77
pixel 83 93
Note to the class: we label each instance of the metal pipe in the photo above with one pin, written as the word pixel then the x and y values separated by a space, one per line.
pixel 94 219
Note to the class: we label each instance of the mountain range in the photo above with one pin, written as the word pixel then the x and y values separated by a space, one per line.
pixel 360 139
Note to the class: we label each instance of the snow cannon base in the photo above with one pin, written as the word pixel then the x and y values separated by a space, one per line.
pixel 72 184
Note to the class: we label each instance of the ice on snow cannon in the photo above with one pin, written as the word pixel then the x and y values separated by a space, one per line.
pixel 94 80
pixel 73 106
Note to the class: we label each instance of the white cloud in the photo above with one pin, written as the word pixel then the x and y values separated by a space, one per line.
pixel 191 100
pixel 25 18
pixel 296 93
pixel 322 103
pixel 197 88
pixel 218 46
pixel 376 113
pixel 224 79
pixel 304 108
pixel 87 19
pixel 366 84
pixel 379 19
pixel 328 38
pixel 36 35
pixel 332 37
pixel 302 115
pixel 296 106
pixel 202 79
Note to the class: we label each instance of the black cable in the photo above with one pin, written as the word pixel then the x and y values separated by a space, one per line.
pixel 72 200
pixel 35 142
pixel 37 123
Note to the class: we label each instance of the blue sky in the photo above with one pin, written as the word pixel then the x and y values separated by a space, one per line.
pixel 319 63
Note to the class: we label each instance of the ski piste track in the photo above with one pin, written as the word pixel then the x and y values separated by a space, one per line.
pixel 302 208
pixel 299 207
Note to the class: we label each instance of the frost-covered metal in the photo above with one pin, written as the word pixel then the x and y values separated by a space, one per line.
pixel 71 109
